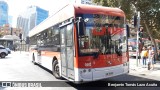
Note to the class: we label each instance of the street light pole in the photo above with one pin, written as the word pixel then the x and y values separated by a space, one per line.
pixel 137 28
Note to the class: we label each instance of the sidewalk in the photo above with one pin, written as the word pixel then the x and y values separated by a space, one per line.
pixel 143 71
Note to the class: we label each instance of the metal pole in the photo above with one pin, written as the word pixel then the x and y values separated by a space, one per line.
pixel 137 28
pixel 137 49
pixel 20 46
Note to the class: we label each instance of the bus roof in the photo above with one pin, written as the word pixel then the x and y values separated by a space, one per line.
pixel 64 14
pixel 83 8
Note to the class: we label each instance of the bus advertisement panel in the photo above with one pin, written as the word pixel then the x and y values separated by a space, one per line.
pixel 82 43
pixel 132 45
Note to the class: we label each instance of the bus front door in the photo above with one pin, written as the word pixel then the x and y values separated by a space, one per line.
pixel 67 51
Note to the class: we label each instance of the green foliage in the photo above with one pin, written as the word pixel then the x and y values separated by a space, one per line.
pixel 1 34
pixel 122 4
pixel 149 10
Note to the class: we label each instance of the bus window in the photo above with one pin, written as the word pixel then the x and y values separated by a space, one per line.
pixel 69 35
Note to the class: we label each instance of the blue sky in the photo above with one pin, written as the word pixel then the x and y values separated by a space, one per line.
pixel 18 6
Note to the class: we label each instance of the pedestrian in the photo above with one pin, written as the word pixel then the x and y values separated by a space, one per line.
pixel 154 59
pixel 144 55
pixel 14 48
pixel 151 56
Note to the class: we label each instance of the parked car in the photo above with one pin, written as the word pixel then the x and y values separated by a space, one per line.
pixel 9 50
pixel 3 51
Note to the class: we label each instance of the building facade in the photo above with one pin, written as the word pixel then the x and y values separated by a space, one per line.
pixel 3 13
pixel 30 18
pixel 7 30
pixel 10 18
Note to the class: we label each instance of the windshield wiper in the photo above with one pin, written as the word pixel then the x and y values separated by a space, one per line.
pixel 118 51
pixel 96 54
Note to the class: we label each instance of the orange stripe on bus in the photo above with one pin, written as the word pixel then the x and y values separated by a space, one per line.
pixel 101 61
pixel 50 53
pixel 33 50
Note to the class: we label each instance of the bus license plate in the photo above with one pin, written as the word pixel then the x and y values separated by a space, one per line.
pixel 109 73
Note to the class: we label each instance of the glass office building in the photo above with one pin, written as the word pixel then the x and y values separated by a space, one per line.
pixel 3 13
pixel 30 18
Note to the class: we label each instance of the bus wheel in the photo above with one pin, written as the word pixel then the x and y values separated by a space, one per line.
pixel 33 59
pixel 55 69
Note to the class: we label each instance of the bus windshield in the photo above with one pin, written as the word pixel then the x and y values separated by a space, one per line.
pixel 101 33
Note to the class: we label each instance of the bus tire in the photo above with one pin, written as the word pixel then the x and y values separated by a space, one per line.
pixel 33 59
pixel 55 69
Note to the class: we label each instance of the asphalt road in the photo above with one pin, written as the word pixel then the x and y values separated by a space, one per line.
pixel 17 67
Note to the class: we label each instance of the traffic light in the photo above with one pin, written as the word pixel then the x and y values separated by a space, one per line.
pixel 11 30
pixel 27 40
pixel 128 31
pixel 149 38
pixel 140 34
pixel 20 35
pixel 135 20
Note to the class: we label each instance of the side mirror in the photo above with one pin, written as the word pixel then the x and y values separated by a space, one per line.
pixel 86 20
pixel 81 28
pixel 119 52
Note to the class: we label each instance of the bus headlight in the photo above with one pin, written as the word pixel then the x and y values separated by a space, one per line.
pixel 84 71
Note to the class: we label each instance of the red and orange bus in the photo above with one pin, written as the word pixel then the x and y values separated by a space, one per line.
pixel 82 43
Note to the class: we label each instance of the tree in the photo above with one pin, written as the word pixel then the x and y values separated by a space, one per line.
pixel 149 9
pixel 122 4
pixel 1 34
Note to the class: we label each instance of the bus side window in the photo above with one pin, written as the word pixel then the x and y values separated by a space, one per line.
pixel 69 35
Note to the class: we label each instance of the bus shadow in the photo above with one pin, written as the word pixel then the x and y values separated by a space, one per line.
pixel 49 71
pixel 103 84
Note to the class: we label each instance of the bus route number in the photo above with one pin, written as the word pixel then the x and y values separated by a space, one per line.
pixel 87 64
